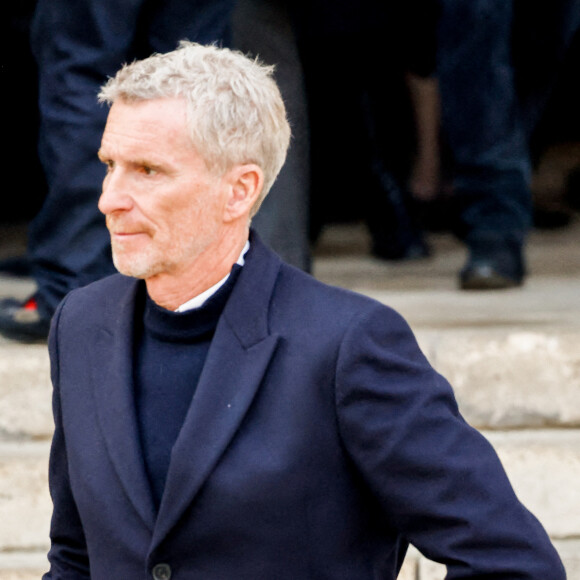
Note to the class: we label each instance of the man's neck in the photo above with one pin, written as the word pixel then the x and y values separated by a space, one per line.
pixel 171 290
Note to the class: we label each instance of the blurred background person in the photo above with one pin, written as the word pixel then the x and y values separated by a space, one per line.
pixel 497 63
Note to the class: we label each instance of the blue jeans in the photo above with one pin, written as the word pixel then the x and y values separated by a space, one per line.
pixel 488 113
pixel 481 119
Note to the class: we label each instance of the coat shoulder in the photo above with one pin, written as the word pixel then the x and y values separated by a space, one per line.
pixel 302 295
pixel 99 300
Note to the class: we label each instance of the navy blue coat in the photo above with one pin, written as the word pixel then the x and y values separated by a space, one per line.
pixel 318 444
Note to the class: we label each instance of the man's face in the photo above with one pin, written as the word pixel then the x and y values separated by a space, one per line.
pixel 163 207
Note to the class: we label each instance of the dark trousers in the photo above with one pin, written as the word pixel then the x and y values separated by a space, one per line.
pixel 77 46
pixel 497 65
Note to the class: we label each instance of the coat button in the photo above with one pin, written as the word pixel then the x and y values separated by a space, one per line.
pixel 161 572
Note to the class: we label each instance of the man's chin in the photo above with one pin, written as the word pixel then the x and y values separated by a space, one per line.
pixel 134 268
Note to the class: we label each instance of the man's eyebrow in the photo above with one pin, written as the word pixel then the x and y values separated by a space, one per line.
pixel 137 162
pixel 142 162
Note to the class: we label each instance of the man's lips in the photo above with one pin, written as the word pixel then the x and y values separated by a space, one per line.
pixel 126 236
pixel 127 230
pixel 124 229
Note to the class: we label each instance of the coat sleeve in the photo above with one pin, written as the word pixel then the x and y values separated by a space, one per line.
pixel 68 553
pixel 439 481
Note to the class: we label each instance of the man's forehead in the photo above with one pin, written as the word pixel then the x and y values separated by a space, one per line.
pixel 156 121
pixel 166 107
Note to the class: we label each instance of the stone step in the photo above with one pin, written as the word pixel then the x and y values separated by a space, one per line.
pixel 26 565
pixel 25 505
pixel 544 469
pixel 25 392
pixel 510 379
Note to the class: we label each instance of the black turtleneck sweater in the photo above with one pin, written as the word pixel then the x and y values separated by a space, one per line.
pixel 170 351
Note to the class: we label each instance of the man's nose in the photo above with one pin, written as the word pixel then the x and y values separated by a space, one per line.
pixel 115 195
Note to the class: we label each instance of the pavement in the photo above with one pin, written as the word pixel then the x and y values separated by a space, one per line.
pixel 511 355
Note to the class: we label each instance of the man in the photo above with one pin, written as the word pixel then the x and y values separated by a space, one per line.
pixel 220 414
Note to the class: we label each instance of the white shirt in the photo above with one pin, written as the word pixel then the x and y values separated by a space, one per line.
pixel 200 299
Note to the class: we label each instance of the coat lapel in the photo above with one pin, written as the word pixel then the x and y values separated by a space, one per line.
pixel 113 379
pixel 236 363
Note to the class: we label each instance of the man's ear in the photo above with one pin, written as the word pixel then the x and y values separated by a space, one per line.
pixel 244 184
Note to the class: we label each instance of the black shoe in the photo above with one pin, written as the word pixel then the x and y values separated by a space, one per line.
pixel 23 321
pixel 485 275
pixel 493 265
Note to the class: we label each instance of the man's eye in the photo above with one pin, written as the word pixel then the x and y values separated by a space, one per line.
pixel 148 170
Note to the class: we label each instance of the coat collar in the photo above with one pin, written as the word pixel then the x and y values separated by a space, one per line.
pixel 113 380
pixel 238 357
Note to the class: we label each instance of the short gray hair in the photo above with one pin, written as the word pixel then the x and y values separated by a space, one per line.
pixel 236 114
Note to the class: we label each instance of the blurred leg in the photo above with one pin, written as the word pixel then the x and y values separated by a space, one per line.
pixel 482 119
pixel 77 45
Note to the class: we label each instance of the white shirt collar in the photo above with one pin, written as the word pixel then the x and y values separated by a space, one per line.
pixel 200 299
